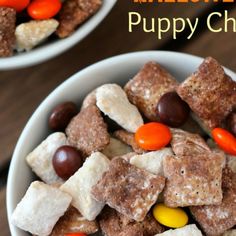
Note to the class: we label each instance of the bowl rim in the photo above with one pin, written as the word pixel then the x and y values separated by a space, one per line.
pixel 71 80
pixel 53 49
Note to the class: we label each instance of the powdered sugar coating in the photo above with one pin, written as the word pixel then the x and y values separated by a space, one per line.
pixel 112 101
pixel 185 143
pixel 210 93
pixel 113 223
pixel 40 159
pixel 128 189
pixel 87 131
pixel 40 208
pixel 215 220
pixel 80 184
pixel 147 87
pixel 7 31
pixel 193 180
pixel 73 222
pixel 32 33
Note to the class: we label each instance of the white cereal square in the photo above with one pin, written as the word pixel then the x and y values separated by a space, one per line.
pixel 40 159
pixel 113 102
pixel 40 208
pixel 151 161
pixel 32 33
pixel 188 230
pixel 116 148
pixel 80 184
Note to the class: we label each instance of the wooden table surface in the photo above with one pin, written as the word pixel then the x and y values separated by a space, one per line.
pixel 21 91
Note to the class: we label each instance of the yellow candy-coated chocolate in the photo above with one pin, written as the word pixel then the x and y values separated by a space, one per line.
pixel 170 217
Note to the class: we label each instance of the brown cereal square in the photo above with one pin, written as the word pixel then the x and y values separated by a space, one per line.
pixel 73 222
pixel 87 131
pixel 128 138
pixel 193 180
pixel 74 13
pixel 215 220
pixel 128 189
pixel 147 87
pixel 7 31
pixel 90 99
pixel 184 143
pixel 210 93
pixel 113 223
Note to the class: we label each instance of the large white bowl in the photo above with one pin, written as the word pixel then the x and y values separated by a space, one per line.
pixel 52 49
pixel 117 69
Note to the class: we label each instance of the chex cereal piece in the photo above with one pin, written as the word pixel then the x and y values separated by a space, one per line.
pixel 90 99
pixel 74 13
pixel 129 139
pixel 127 156
pixel 113 223
pixel 33 33
pixel 128 189
pixel 215 220
pixel 147 87
pixel 193 126
pixel 116 148
pixel 7 31
pixel 188 230
pixel 193 180
pixel 210 93
pixel 231 162
pixel 113 102
pixel 87 131
pixel 79 185
pixel 185 143
pixel 151 161
pixel 73 222
pixel 40 159
pixel 230 233
pixel 40 208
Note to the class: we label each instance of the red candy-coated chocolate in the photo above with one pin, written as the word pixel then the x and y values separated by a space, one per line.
pixel 44 9
pixel 18 5
pixel 225 140
pixel 153 136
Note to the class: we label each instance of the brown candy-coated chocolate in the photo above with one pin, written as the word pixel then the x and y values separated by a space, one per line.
pixel 61 116
pixel 172 110
pixel 66 161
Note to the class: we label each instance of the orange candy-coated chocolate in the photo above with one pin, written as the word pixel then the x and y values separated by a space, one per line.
pixel 44 9
pixel 225 140
pixel 153 136
pixel 18 5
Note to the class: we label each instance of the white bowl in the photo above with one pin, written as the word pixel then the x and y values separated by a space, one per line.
pixel 117 69
pixel 52 49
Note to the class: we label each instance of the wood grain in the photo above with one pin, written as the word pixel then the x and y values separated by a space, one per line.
pixel 222 45
pixel 3 214
pixel 21 91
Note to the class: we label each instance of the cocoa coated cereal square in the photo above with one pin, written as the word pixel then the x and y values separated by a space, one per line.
pixel 210 93
pixel 87 131
pixel 185 143
pixel 128 138
pixel 128 189
pixel 7 31
pixel 74 13
pixel 147 87
pixel 73 222
pixel 193 180
pixel 113 223
pixel 215 220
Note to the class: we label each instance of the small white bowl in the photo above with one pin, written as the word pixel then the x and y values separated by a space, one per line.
pixel 52 49
pixel 117 69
